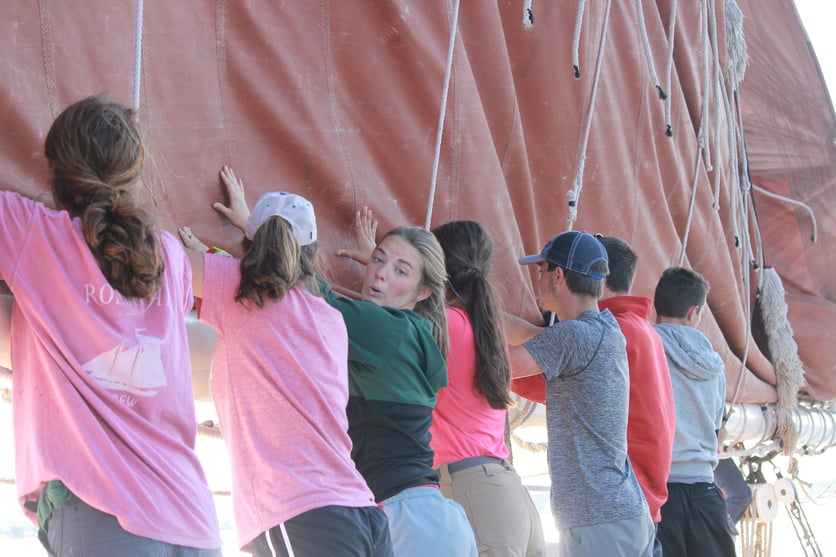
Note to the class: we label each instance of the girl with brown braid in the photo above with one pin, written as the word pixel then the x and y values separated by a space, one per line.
pixel 96 156
pixel 469 418
pixel 103 410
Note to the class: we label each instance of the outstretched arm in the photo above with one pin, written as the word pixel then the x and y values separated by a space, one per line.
pixel 365 230
pixel 237 212
pixel 194 249
pixel 517 332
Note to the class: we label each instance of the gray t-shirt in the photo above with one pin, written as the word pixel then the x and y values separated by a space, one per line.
pixel 584 361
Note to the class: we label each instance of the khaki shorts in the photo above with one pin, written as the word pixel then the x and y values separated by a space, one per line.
pixel 499 508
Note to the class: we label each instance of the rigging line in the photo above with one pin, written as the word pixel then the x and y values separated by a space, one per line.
pixel 731 145
pixel 746 248
pixel 694 183
pixel 138 57
pixel 716 82
pixel 576 39
pixel 648 52
pixel 48 56
pixel 448 71
pixel 746 186
pixel 706 81
pixel 528 14
pixel 669 69
pixel 577 185
pixel 746 243
pixel 717 138
pixel 792 201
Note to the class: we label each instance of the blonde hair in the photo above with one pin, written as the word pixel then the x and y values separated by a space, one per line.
pixel 433 277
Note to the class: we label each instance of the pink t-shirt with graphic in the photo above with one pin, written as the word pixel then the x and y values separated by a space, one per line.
pixel 279 381
pixel 464 424
pixel 102 384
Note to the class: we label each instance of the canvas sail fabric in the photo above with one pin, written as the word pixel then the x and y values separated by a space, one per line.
pixel 339 102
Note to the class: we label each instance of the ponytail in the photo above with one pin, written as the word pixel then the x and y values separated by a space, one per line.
pixel 96 155
pixel 468 252
pixel 275 263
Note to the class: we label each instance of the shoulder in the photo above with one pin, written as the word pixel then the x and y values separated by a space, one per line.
pixel 19 210
pixel 457 320
pixel 14 199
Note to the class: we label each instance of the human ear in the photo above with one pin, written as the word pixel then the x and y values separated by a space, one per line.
pixel 557 276
pixel 423 294
pixel 693 314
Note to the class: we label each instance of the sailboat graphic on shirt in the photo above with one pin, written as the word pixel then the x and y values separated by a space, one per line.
pixel 137 369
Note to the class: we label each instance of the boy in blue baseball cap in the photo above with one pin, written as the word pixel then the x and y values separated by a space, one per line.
pixel 598 506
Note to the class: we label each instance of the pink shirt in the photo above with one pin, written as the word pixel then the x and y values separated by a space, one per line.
pixel 102 384
pixel 279 381
pixel 464 424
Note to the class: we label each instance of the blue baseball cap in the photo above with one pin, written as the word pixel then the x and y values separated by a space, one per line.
pixel 573 250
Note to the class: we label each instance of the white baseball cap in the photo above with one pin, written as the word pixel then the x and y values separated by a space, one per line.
pixel 295 209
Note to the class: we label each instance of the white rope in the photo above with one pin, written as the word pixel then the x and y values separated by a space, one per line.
pixel 576 39
pixel 706 81
pixel 577 184
pixel 718 119
pixel 715 89
pixel 442 113
pixel 138 56
pixel 528 14
pixel 702 146
pixel 795 202
pixel 744 266
pixel 692 203
pixel 731 145
pixel 669 69
pixel 648 52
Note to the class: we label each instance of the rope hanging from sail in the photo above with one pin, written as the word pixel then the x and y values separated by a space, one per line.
pixel 442 112
pixel 577 184
pixel 669 69
pixel 138 57
pixel 528 14
pixel 736 62
pixel 701 131
pixel 576 40
pixel 648 52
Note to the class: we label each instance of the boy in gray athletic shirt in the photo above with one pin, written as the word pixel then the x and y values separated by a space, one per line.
pixel 598 506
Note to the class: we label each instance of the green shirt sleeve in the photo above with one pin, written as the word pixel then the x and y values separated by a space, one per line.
pixel 392 353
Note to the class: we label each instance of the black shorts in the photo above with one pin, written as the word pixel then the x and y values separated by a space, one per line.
pixel 328 531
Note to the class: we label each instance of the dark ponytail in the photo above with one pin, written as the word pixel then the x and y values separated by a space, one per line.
pixel 468 252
